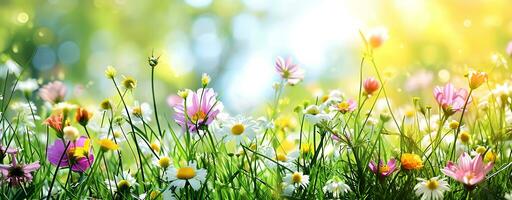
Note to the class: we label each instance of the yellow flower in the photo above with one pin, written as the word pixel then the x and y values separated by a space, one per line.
pixel 183 93
pixel 106 105
pixel 205 79
pixel 465 137
pixel 107 144
pixel 411 161
pixel 129 82
pixel 476 79
pixel 71 133
pixel 110 72
pixel 454 124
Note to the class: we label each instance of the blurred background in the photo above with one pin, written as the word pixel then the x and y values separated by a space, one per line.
pixel 236 42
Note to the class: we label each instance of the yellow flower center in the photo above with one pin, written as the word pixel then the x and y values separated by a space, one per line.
pixel 296 177
pixel 237 129
pixel 123 185
pixel 186 173
pixel 281 157
pixel 324 98
pixel 164 162
pixel 343 106
pixel 465 137
pixel 384 168
pixel 107 144
pixel 409 113
pixel 137 111
pixel 432 184
pixel 454 125
pixel 155 147
pixel 480 149
pixel 199 115
pixel 469 176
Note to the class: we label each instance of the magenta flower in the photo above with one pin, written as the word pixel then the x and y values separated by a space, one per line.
pixel 468 171
pixel 53 92
pixel 289 71
pixel 383 169
pixel 202 107
pixel 7 150
pixel 450 99
pixel 18 173
pixel 78 156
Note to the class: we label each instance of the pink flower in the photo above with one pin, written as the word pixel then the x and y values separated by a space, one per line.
pixel 289 71
pixel 348 105
pixel 468 171
pixel 449 99
pixel 371 85
pixel 53 92
pixel 18 173
pixel 174 100
pixel 509 49
pixel 7 150
pixel 384 169
pixel 202 107
pixel 78 155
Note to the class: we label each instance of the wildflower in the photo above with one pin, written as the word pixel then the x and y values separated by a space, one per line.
pixel 180 176
pixel 202 107
pixel 336 187
pixel 70 133
pixel 296 180
pixel 468 171
pixel 280 156
pixel 106 104
pixel 142 113
pixel 411 161
pixel 24 117
pixel 377 37
pixel 153 61
pixel 489 156
pixel 110 72
pixel 122 183
pixel 129 82
pixel 107 145
pixel 7 150
pixel 315 115
pixel 449 99
pixel 27 87
pixel 476 79
pixel 16 173
pixel 239 128
pixel 348 105
pixel 371 85
pixel 464 137
pixel 53 92
pixel 205 79
pixel 55 122
pixel 454 124
pixel 289 71
pixel 164 162
pixel 174 100
pixel 64 108
pixel 83 116
pixel 10 66
pixel 183 93
pixel 383 169
pixel 78 156
pixel 431 189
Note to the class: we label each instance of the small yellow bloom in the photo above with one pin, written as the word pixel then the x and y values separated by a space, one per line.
pixel 164 162
pixel 183 93
pixel 107 144
pixel 205 79
pixel 106 105
pixel 454 124
pixel 110 72
pixel 71 133
pixel 465 137
pixel 129 82
pixel 476 79
pixel 411 161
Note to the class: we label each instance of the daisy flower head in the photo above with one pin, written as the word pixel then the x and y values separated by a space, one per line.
pixel 163 162
pixel 141 113
pixel 239 128
pixel 199 109
pixel 180 177
pixel 336 188
pixel 123 182
pixel 431 189
pixel 289 71
pixel 315 115
pixel 53 92
pixel 345 106
pixel 468 171
pixel 27 86
pixel 9 66
pixel 16 173
pixel 383 169
pixel 296 180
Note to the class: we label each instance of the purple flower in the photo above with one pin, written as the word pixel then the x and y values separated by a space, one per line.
pixel 7 150
pixel 202 107
pixel 78 155
pixel 450 99
pixel 18 173
pixel 53 92
pixel 289 71
pixel 383 169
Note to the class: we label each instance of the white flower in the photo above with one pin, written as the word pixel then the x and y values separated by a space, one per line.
pixel 336 188
pixel 431 189
pixel 122 182
pixel 238 129
pixel 180 176
pixel 314 115
pixel 11 67
pixel 140 112
pixel 27 86
pixel 294 181
pixel 508 196
pixel 163 162
pixel 283 158
pixel 24 114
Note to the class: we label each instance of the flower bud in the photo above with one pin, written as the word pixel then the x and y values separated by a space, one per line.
pixel 83 116
pixel 205 79
pixel 371 85
pixel 71 133
pixel 110 72
pixel 476 79
pixel 183 93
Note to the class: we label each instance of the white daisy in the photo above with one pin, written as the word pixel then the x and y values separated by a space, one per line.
pixel 336 188
pixel 238 129
pixel 314 115
pixel 187 175
pixel 163 162
pixel 139 112
pixel 24 116
pixel 10 66
pixel 122 182
pixel 294 181
pixel 27 86
pixel 431 189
